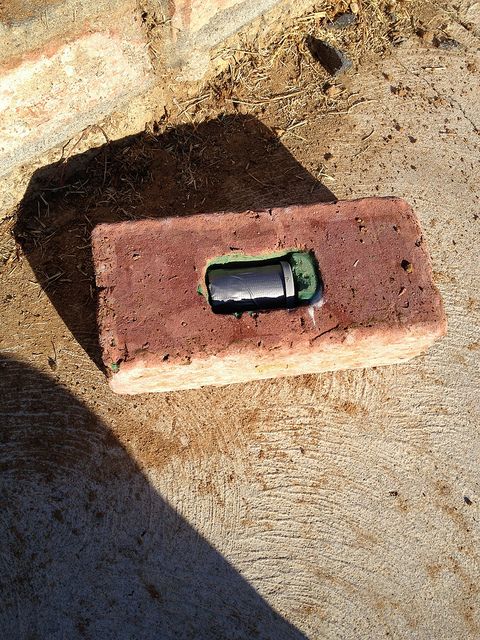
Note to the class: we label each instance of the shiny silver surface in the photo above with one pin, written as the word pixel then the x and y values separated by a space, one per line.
pixel 251 287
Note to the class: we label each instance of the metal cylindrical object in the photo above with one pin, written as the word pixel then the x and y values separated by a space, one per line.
pixel 251 287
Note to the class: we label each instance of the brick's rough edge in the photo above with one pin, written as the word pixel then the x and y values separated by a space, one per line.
pixel 350 349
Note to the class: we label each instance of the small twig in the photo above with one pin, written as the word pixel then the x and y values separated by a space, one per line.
pixel 256 179
pixel 258 103
pixel 368 135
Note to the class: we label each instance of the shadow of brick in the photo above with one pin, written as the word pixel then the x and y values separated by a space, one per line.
pixel 231 163
pixel 90 549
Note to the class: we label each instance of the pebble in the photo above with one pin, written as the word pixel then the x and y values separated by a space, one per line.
pixel 343 21
pixel 331 58
pixel 442 42
pixel 333 91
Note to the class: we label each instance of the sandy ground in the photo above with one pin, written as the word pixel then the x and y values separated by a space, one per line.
pixel 340 506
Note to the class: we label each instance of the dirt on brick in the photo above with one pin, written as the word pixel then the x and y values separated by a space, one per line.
pixel 348 501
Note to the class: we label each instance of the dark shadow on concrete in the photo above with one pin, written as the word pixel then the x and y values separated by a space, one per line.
pixel 90 549
pixel 231 163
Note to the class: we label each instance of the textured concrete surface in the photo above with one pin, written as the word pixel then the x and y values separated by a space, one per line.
pixel 158 334
pixel 86 579
pixel 349 501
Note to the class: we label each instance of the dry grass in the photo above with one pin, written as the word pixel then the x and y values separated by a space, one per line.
pixel 274 72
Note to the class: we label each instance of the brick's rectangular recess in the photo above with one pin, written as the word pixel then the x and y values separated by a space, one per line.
pixel 158 333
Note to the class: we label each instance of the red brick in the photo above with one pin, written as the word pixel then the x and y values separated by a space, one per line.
pixel 164 336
